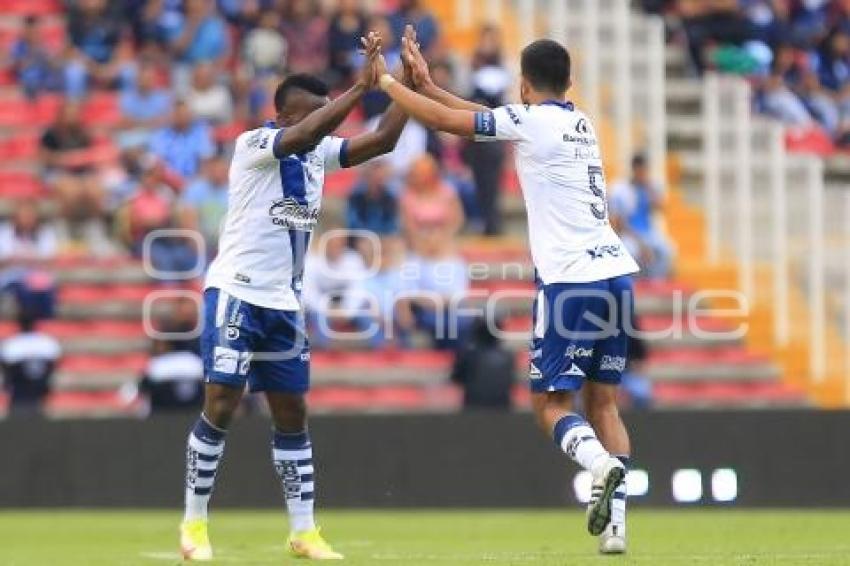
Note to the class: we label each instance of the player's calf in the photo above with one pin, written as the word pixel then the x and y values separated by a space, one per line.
pixel 204 450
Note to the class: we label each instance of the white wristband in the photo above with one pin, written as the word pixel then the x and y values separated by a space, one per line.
pixel 386 80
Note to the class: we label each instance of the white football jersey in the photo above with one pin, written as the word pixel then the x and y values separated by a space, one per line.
pixel 272 207
pixel 560 171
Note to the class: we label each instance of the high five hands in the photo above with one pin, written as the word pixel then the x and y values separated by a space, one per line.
pixel 414 70
pixel 368 76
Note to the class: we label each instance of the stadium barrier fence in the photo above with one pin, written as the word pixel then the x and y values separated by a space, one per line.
pixel 466 460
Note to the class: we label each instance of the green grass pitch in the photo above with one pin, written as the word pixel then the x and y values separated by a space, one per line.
pixel 692 537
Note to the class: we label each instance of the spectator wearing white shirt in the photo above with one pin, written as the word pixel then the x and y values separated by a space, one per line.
pixel 330 275
pixel 208 99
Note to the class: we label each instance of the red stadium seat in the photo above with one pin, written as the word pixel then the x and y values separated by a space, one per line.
pixel 30 7
pixel 340 183
pixel 19 184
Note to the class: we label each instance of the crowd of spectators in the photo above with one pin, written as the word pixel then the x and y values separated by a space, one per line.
pixel 797 53
pixel 186 77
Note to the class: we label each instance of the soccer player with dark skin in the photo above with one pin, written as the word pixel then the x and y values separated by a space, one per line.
pixel 264 159
pixel 544 82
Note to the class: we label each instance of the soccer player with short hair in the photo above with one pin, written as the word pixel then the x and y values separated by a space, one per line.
pixel 253 324
pixel 582 267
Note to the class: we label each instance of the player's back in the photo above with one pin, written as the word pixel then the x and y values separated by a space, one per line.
pixel 559 165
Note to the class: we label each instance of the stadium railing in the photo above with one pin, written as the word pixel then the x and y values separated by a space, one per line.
pixel 787 230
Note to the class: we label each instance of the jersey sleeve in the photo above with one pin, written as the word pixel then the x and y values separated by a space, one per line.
pixel 257 147
pixel 335 153
pixel 504 123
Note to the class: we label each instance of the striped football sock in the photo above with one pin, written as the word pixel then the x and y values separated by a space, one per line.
pixel 203 453
pixel 618 504
pixel 576 438
pixel 293 460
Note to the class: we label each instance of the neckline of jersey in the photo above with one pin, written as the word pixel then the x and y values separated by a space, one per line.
pixel 566 105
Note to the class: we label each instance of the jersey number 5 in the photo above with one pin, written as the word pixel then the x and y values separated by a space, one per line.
pixel 598 209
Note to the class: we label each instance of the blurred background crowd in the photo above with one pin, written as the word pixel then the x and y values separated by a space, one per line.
pixel 125 115
pixel 796 51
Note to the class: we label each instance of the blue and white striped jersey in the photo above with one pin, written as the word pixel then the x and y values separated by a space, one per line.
pixel 560 172
pixel 273 206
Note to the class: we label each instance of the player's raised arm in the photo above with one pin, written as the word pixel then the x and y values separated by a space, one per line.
pixel 428 112
pixel 385 137
pixel 321 122
pixel 422 77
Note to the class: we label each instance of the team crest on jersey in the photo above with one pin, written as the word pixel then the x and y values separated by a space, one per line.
pixel 581 127
pixel 258 138
pixel 290 214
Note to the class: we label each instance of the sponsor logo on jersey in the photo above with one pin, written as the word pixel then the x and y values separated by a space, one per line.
pixel 612 363
pixel 574 352
pixel 258 139
pixel 242 278
pixel 289 214
pixel 513 115
pixel 534 372
pixel 610 250
pixel 581 140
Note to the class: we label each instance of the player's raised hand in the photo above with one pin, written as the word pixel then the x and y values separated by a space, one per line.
pixel 412 57
pixel 380 66
pixel 372 49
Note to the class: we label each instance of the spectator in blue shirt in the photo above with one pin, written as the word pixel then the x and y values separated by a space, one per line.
pixel 372 206
pixel 184 143
pixel 93 30
pixel 204 202
pixel 32 64
pixel 414 12
pixel 633 204
pixel 144 105
pixel 201 36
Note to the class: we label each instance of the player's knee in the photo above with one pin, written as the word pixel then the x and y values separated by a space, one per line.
pixel 289 412
pixel 219 407
pixel 601 410
pixel 549 407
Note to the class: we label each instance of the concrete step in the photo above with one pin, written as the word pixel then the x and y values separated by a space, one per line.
pixel 683 96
